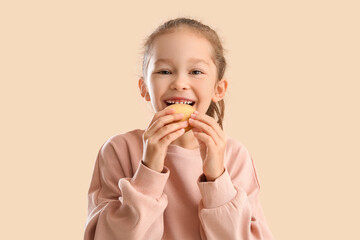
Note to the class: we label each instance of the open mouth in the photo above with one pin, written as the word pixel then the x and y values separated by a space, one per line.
pixel 169 102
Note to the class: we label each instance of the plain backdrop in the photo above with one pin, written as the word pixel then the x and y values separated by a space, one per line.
pixel 69 72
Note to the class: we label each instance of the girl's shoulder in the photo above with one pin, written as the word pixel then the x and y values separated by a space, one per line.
pixel 122 149
pixel 130 137
pixel 233 144
pixel 124 142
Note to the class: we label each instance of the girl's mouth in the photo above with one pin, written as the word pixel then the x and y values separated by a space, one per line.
pixel 170 102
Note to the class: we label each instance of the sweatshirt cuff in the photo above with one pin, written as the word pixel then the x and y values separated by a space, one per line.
pixel 218 192
pixel 150 182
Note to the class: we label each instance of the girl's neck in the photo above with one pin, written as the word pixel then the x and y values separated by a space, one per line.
pixel 187 140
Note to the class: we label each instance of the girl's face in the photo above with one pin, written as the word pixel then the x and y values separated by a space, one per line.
pixel 181 68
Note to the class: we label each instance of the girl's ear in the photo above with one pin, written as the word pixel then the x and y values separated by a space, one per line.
pixel 143 89
pixel 220 90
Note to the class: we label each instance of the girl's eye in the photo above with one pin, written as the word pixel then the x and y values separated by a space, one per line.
pixel 198 72
pixel 163 71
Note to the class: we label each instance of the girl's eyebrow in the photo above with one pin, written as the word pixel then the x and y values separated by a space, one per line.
pixel 192 60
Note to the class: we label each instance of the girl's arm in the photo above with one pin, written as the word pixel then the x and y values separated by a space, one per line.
pixel 230 207
pixel 122 206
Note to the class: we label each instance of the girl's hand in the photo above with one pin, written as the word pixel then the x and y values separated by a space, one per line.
pixel 161 132
pixel 212 141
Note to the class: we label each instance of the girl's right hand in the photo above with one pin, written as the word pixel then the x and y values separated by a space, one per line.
pixel 163 129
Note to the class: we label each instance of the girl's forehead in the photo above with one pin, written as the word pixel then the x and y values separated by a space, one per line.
pixel 181 46
pixel 192 60
pixel 181 40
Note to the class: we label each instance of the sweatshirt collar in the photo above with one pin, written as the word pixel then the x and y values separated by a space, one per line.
pixel 175 149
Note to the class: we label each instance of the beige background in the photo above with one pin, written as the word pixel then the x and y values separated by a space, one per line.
pixel 69 72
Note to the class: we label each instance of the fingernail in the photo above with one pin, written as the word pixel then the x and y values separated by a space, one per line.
pixel 196 112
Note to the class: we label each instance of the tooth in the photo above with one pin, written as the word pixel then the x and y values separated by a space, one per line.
pixel 179 102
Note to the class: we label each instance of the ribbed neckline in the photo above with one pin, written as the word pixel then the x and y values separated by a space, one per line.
pixel 175 149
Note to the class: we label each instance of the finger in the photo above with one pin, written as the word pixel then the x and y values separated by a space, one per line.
pixel 210 121
pixel 168 129
pixel 171 137
pixel 209 141
pixel 205 128
pixel 195 129
pixel 161 113
pixel 164 132
pixel 156 116
pixel 161 122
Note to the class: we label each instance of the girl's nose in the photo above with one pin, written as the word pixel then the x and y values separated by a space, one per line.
pixel 180 83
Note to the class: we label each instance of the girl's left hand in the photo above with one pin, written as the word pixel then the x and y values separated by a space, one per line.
pixel 212 141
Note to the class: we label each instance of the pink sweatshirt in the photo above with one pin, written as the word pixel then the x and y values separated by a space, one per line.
pixel 127 200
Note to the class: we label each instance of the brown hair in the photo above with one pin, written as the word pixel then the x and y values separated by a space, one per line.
pixel 216 108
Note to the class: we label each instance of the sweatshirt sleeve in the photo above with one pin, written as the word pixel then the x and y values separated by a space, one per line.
pixel 230 206
pixel 124 207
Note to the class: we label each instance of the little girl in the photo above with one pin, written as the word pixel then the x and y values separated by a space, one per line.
pixel 163 182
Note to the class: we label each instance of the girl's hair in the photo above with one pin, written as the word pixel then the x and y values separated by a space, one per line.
pixel 216 108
